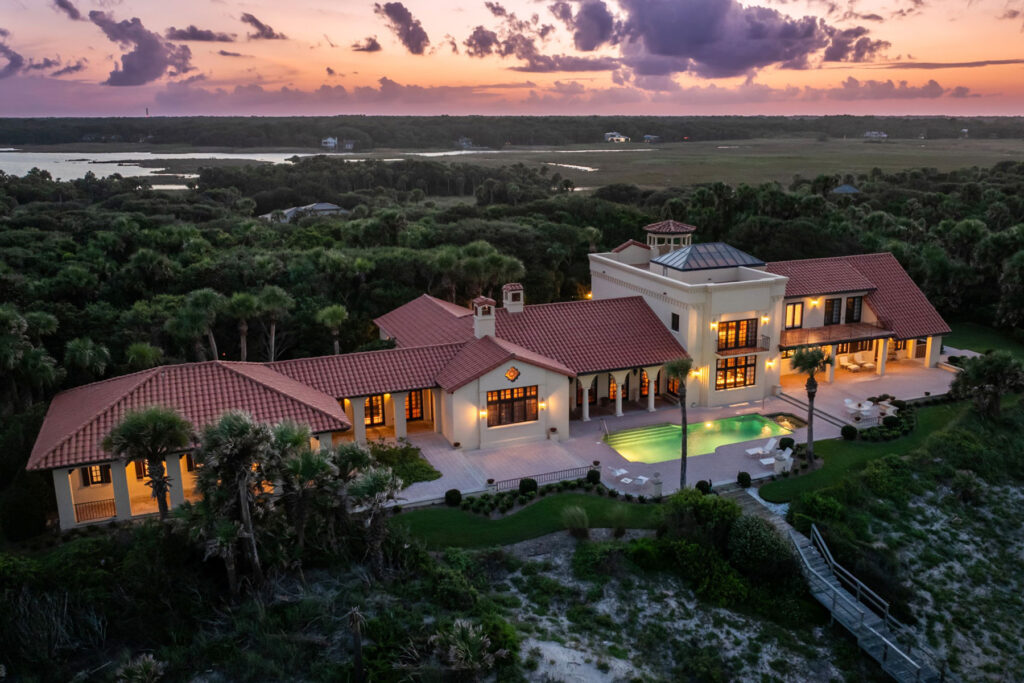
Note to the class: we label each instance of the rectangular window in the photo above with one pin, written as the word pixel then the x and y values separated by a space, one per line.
pixel 511 406
pixel 95 474
pixel 672 386
pixel 613 388
pixel 190 463
pixel 591 394
pixel 900 345
pixel 833 309
pixel 141 469
pixel 853 306
pixel 414 405
pixel 735 372
pixel 855 347
pixel 794 315
pixel 374 410
pixel 675 322
pixel 787 353
pixel 737 334
pixel 645 383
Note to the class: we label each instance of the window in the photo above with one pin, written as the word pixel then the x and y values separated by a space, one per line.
pixel 591 396
pixel 735 372
pixel 853 306
pixel 786 353
pixel 737 334
pixel 613 388
pixel 645 383
pixel 855 347
pixel 900 345
pixel 672 386
pixel 141 469
pixel 95 474
pixel 373 409
pixel 414 405
pixel 794 315
pixel 510 406
pixel 190 463
pixel 675 322
pixel 833 309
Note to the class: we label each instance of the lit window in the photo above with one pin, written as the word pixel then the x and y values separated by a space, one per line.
pixel 511 406
pixel 735 372
pixel 374 410
pixel 737 334
pixel 794 316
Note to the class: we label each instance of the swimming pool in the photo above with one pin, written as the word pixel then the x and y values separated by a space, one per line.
pixel 659 443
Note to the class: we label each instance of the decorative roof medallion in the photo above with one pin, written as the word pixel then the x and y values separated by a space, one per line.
pixel 512 374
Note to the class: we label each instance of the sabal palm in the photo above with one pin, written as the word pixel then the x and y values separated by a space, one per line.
pixel 373 489
pixel 680 369
pixel 151 435
pixel 188 326
pixel 142 356
pixel 243 307
pixel 86 356
pixel 333 317
pixel 207 304
pixel 305 474
pixel 810 362
pixel 275 303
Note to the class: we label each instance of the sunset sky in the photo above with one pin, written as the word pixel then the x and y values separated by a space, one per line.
pixel 663 57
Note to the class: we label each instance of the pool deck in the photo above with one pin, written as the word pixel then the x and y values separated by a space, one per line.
pixel 470 470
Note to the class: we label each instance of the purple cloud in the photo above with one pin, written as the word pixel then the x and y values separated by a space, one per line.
pixel 407 28
pixel 68 8
pixel 263 31
pixel 853 45
pixel 47 63
pixel 194 33
pixel 592 25
pixel 226 53
pixel 15 62
pixel 70 68
pixel 150 56
pixel 369 44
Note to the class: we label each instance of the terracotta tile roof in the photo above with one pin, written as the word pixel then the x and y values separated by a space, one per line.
pixel 426 321
pixel 627 244
pixel 585 336
pixel 897 302
pixel 480 356
pixel 512 287
pixel 670 227
pixel 80 418
pixel 832 334
pixel 818 277
pixel 372 372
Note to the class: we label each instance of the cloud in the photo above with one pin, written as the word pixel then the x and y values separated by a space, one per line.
pixel 952 65
pixel 150 56
pixel 369 44
pixel 228 53
pixel 68 8
pixel 852 89
pixel 263 31
pixel 198 34
pixel 1011 14
pixel 592 25
pixel 853 45
pixel 70 68
pixel 330 71
pixel 15 62
pixel 47 63
pixel 407 28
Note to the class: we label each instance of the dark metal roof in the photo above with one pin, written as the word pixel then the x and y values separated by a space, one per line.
pixel 707 256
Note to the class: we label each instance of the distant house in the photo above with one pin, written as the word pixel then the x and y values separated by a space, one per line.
pixel 652 139
pixel 615 136
pixel 846 188
pixel 876 135
pixel 296 212
pixel 329 143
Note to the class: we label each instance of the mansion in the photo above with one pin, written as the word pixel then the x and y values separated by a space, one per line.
pixel 490 375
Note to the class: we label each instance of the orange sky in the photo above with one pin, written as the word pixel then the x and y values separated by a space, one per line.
pixel 104 57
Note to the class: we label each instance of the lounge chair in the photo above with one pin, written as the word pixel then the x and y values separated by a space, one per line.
pixel 865 359
pixel 641 480
pixel 619 472
pixel 846 364
pixel 767 448
pixel 785 455
pixel 767 462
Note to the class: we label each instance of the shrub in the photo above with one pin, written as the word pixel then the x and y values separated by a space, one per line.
pixel 849 432
pixel 757 550
pixel 704 519
pixel 143 669
pixel 743 479
pixel 967 487
pixel 891 421
pixel 703 486
pixel 527 485
pixel 452 497
pixel 575 520
pixel 594 477
pixel 618 518
pixel 787 442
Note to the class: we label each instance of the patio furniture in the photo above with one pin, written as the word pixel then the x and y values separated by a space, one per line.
pixel 767 448
pixel 619 472
pixel 865 359
pixel 785 455
pixel 847 364
pixel 887 408
pixel 641 480
pixel 625 480
pixel 783 465
pixel 767 462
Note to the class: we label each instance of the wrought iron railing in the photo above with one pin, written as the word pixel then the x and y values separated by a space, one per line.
pixel 95 509
pixel 546 478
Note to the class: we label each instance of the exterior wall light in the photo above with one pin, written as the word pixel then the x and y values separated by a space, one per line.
pixel 590 295
pixel 764 320
pixel 543 405
pixel 814 302
pixel 483 414
pixel 770 364
pixel 714 326
pixel 695 373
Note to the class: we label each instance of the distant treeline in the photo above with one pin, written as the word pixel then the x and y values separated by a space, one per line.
pixel 410 132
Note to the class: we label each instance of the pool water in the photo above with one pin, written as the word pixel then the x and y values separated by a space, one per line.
pixel 659 443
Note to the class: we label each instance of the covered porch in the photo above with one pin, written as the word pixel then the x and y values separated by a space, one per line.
pixel 866 352
pixel 617 392
pixel 392 416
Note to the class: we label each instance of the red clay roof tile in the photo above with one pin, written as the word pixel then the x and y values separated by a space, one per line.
pixel 480 356
pixel 670 227
pixel 627 244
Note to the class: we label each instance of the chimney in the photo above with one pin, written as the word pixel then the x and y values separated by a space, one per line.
pixel 483 317
pixel 512 297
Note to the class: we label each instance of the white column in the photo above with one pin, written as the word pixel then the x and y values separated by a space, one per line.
pixel 652 386
pixel 436 398
pixel 932 351
pixel 883 355
pixel 398 401
pixel 65 503
pixel 620 378
pixel 359 419
pixel 911 348
pixel 122 499
pixel 177 493
pixel 832 367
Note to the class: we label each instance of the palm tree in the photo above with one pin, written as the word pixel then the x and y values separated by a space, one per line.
pixel 142 356
pixel 40 324
pixel 233 453
pixel 333 317
pixel 207 303
pixel 188 326
pixel 348 460
pixel 810 362
pixel 275 302
pixel 987 378
pixel 151 435
pixel 87 357
pixel 680 369
pixel 373 489
pixel 243 307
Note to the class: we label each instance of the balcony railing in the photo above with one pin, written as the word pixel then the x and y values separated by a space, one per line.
pixel 833 334
pixel 95 509
pixel 764 343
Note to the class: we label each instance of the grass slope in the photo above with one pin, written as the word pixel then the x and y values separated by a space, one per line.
pixel 444 527
pixel 981 339
pixel 842 457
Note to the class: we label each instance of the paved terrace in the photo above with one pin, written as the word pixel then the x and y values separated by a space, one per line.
pixel 470 470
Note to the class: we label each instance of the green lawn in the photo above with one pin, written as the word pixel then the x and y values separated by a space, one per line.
pixel 981 338
pixel 444 527
pixel 842 457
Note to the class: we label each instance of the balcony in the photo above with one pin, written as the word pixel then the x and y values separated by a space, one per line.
pixel 832 334
pixel 764 343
